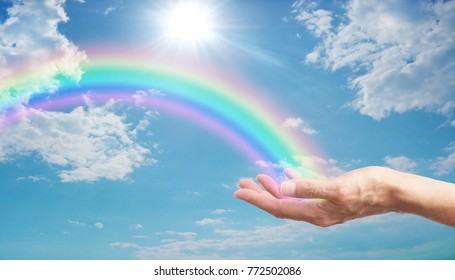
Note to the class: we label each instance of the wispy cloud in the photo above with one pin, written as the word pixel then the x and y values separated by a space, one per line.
pixel 125 245
pixel 226 186
pixel 208 221
pixel 186 195
pixel 33 178
pixel 116 4
pixel 301 124
pixel 445 165
pixel 223 241
pixel 299 240
pixel 109 10
pixel 401 60
pixel 140 236
pixel 136 226
pixel 184 234
pixel 76 223
pixel 401 163
pixel 424 251
pixel 221 211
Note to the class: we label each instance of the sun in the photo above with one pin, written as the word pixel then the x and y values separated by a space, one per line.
pixel 189 22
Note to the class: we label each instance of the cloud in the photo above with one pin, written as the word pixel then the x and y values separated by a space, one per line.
pixel 435 249
pixel 318 167
pixel 299 123
pixel 109 10
pixel 401 163
pixel 445 165
pixel 33 178
pixel 221 211
pixel 317 21
pixel 268 164
pixel 140 236
pixel 208 221
pixel 308 130
pixel 88 144
pixel 401 53
pixel 186 195
pixel 136 226
pixel 30 42
pixel 115 5
pixel 124 245
pixel 292 122
pixel 99 225
pixel 76 223
pixel 230 242
pixel 184 234
pixel 298 240
pixel 311 166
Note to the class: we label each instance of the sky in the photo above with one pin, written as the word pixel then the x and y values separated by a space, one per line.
pixel 357 83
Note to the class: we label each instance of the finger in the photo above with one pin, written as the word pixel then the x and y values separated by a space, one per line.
pixel 246 194
pixel 263 200
pixel 292 174
pixel 306 188
pixel 281 208
pixel 249 184
pixel 270 185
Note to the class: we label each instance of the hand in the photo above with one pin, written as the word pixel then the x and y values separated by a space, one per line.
pixel 320 202
pixel 359 193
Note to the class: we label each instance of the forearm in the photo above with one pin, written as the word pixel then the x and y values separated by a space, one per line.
pixel 431 199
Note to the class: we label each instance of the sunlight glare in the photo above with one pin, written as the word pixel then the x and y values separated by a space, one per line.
pixel 189 22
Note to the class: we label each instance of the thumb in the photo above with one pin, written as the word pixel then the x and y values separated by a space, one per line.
pixel 305 188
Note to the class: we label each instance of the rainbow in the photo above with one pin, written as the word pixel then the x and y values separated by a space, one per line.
pixel 227 107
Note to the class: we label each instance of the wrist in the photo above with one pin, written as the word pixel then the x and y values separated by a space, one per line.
pixel 401 192
pixel 387 188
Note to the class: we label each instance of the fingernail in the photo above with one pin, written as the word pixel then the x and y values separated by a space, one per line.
pixel 288 188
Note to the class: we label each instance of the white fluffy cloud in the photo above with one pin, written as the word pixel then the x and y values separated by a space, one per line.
pixel 401 163
pixel 292 122
pixel 88 144
pixel 30 41
pixel 401 52
pixel 318 21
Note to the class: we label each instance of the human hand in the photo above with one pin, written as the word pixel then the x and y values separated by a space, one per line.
pixel 355 194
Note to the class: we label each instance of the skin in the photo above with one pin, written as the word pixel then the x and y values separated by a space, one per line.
pixel 359 193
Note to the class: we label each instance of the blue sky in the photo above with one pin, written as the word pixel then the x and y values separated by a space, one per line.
pixel 371 82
